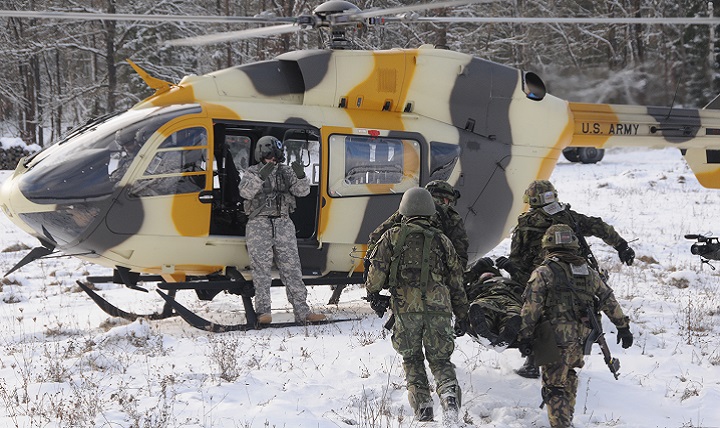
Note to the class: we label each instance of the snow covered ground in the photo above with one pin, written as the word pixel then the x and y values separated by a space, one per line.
pixel 63 362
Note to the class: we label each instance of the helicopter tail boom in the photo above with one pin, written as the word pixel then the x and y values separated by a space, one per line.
pixel 705 164
pixel 695 131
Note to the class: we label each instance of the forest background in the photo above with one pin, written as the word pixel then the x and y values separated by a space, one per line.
pixel 57 74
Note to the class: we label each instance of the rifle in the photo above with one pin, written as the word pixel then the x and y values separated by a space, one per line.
pixel 587 253
pixel 707 247
pixel 389 323
pixel 598 336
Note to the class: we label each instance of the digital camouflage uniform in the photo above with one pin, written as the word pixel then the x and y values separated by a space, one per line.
pixel 446 218
pixel 271 234
pixel 525 247
pixel 561 294
pixel 423 308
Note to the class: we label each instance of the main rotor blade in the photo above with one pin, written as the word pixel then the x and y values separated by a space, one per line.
pixel 235 35
pixel 91 16
pixel 550 20
pixel 415 7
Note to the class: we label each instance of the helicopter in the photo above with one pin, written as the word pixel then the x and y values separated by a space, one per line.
pixel 152 193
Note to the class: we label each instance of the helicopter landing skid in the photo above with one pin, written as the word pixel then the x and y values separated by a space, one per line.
pixel 114 311
pixel 201 323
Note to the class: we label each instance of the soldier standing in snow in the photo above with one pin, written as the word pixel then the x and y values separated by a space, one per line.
pixel 269 189
pixel 419 266
pixel 525 247
pixel 563 292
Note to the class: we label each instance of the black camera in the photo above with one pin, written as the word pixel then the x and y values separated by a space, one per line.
pixel 707 247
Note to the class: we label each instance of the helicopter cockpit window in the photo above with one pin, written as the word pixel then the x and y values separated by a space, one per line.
pixel 90 163
pixel 443 157
pixel 191 137
pixel 178 166
pixel 361 165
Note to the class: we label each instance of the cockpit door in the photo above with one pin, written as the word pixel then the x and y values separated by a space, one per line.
pixel 162 193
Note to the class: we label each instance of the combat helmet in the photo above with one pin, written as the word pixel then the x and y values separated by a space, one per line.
pixel 417 202
pixel 540 193
pixel 267 147
pixel 560 236
pixel 442 189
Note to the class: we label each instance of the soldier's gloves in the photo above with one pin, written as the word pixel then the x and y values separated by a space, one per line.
pixel 366 268
pixel 461 326
pixel 266 170
pixel 626 254
pixel 525 346
pixel 299 169
pixel 377 303
pixel 506 264
pixel 625 336
pixel 482 265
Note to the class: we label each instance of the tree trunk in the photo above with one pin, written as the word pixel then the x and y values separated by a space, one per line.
pixel 38 111
pixel 58 116
pixel 110 30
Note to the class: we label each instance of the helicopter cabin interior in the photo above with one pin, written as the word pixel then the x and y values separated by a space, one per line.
pixel 234 149
pixel 359 165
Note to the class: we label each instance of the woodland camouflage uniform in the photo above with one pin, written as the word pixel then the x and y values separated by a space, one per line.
pixel 425 284
pixel 495 307
pixel 447 219
pixel 271 234
pixel 545 210
pixel 560 291
pixel 525 251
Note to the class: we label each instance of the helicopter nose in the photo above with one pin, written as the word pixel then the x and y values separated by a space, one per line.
pixel 51 223
pixel 14 205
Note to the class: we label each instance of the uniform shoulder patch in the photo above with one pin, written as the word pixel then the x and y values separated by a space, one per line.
pixel 579 270
pixel 553 208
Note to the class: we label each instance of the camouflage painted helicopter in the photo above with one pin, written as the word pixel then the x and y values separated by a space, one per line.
pixel 153 192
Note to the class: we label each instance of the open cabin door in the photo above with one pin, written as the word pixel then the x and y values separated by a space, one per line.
pixel 234 149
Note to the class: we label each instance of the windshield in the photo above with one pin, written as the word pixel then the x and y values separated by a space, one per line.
pixel 86 166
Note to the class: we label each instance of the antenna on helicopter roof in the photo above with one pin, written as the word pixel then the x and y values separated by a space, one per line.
pixel 684 129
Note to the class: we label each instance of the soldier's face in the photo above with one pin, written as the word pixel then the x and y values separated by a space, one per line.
pixel 440 200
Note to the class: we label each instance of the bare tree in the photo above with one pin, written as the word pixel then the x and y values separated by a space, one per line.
pixel 57 74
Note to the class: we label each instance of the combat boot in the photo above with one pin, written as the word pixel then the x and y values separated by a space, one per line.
pixel 424 414
pixel 450 402
pixel 478 323
pixel 529 369
pixel 508 334
pixel 264 319
pixel 451 409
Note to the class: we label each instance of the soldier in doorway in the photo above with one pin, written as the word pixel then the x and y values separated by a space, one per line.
pixel 269 189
